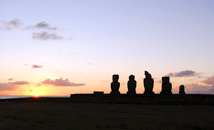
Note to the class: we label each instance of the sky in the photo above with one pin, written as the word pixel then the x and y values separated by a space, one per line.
pixel 58 48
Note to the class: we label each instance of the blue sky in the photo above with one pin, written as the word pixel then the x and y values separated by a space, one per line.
pixel 88 41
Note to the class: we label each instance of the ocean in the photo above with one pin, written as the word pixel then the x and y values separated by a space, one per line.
pixel 9 96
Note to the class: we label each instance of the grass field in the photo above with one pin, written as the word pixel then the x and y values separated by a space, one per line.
pixel 72 116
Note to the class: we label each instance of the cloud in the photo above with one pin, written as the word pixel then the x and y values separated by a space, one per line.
pixel 46 36
pixel 209 81
pixel 42 25
pixel 12 85
pixel 185 73
pixel 36 66
pixel 16 23
pixel 42 35
pixel 89 63
pixel 61 82
pixel 199 89
pixel 10 79
pixel 20 83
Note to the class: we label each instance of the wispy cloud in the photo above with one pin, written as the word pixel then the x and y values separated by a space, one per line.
pixel 10 79
pixel 42 25
pixel 61 82
pixel 88 63
pixel 47 32
pixel 46 36
pixel 199 89
pixel 36 66
pixel 8 25
pixel 185 73
pixel 105 81
pixel 209 81
pixel 12 85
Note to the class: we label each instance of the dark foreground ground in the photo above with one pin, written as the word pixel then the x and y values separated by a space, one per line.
pixel 57 115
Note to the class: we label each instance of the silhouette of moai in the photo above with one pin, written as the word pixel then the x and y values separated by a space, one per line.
pixel 115 85
pixel 166 86
pixel 182 90
pixel 148 84
pixel 131 85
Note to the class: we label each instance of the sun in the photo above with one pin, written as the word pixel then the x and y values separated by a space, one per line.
pixel 36 95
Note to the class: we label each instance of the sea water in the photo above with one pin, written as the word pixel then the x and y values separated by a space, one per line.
pixel 9 96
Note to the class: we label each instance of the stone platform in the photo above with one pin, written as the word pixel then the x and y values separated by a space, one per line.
pixel 156 99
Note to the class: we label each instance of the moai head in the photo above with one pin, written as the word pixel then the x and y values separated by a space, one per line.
pixel 115 78
pixel 131 77
pixel 165 79
pixel 147 74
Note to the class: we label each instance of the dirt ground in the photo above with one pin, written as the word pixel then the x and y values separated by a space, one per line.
pixel 72 116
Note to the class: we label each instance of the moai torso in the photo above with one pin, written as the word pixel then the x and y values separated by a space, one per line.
pixel 115 86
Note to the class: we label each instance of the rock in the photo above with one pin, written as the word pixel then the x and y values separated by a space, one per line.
pixel 182 90
pixel 131 85
pixel 115 85
pixel 166 86
pixel 148 84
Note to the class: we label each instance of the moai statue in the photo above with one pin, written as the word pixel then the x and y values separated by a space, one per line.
pixel 115 85
pixel 166 86
pixel 182 90
pixel 131 85
pixel 148 84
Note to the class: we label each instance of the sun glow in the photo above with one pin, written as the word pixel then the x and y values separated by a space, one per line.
pixel 36 95
pixel 38 92
pixel 35 91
